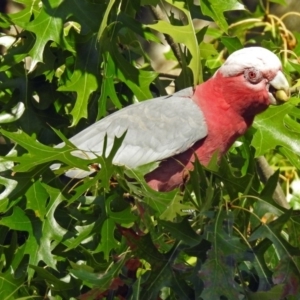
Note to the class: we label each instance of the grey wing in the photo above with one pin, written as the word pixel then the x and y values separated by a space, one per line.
pixel 156 129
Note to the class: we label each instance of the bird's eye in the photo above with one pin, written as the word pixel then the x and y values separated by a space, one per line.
pixel 253 75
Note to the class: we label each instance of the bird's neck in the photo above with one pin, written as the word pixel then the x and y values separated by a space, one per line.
pixel 224 121
pixel 224 104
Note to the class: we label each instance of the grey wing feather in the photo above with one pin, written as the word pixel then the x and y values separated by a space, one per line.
pixel 156 129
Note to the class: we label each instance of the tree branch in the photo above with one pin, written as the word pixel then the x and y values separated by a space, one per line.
pixel 265 172
pixel 174 46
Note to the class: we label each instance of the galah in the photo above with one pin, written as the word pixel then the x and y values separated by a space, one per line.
pixel 197 121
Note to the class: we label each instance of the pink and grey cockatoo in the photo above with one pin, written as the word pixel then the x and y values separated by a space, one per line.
pixel 195 121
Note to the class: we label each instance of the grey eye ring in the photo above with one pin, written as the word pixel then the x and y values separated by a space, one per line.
pixel 253 75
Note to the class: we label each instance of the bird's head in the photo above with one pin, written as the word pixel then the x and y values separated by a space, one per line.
pixel 252 79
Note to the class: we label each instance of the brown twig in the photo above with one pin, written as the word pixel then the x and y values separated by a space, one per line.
pixel 174 46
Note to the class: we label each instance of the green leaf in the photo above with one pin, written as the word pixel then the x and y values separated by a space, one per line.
pixel 104 22
pixel 86 13
pixel 267 295
pixel 272 231
pixel 172 209
pixel 103 280
pixel 123 218
pixel 232 44
pixel 39 153
pixel 162 273
pixel 49 21
pixel 47 26
pixel 41 248
pixel 183 34
pixel 168 205
pixel 137 80
pixel 216 8
pixel 10 285
pixel 21 18
pixel 233 183
pixel 218 277
pixel 218 271
pixel 108 241
pixel 181 231
pixel 108 86
pixel 51 279
pixel 207 50
pixel 282 2
pixel 149 2
pixel 263 272
pixel 220 234
pixel 17 221
pixel 84 79
pixel 138 28
pixel 37 199
pixel 272 130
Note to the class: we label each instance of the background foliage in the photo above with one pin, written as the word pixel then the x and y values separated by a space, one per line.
pixel 66 64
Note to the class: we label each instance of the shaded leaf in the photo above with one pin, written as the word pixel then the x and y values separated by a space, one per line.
pixel 218 271
pixel 267 295
pixel 182 231
pixel 287 276
pixel 218 277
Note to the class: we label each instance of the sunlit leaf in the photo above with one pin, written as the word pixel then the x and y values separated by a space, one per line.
pixel 84 79
pixel 184 34
pixel 215 9
pixel 272 131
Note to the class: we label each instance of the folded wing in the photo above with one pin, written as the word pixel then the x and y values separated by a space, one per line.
pixel 156 129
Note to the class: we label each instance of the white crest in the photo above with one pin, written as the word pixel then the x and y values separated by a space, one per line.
pixel 252 57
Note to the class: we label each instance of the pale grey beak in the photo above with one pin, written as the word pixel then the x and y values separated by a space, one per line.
pixel 279 89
